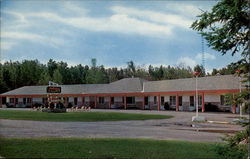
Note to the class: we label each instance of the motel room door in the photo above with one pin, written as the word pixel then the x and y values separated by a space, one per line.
pixel 146 103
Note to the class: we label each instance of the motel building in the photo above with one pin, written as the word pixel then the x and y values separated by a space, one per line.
pixel 135 93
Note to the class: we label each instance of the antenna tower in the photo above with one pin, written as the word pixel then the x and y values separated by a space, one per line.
pixel 202 52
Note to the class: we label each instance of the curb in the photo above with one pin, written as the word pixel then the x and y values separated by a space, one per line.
pixel 218 122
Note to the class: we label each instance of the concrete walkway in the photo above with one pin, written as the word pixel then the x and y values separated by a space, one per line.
pixel 178 128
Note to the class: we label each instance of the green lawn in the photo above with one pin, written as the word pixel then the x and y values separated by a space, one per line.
pixel 76 116
pixel 104 148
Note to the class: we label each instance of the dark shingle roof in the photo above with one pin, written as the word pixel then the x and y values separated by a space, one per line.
pixel 126 85
pixel 136 85
pixel 225 82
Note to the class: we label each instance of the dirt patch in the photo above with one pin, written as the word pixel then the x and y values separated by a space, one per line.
pixel 219 131
pixel 213 130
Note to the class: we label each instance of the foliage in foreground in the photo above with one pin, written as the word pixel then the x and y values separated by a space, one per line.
pixel 104 148
pixel 226 29
pixel 76 116
pixel 237 146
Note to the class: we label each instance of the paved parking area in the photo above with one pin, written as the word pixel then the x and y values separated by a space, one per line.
pixel 178 128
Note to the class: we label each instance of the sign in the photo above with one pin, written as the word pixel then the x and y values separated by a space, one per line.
pixel 53 89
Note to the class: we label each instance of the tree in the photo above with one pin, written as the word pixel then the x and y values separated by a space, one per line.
pixel 200 68
pixel 226 29
pixel 52 66
pixel 131 68
pixel 57 77
pixel 93 62
pixel 44 78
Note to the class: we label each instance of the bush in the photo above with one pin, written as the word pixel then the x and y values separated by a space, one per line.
pixel 70 105
pixel 232 152
pixel 37 105
pixel 237 145
pixel 8 105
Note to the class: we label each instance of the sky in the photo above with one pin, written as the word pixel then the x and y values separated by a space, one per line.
pixel 114 32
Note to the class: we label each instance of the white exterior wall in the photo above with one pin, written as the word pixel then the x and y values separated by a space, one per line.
pixel 118 99
pixel 86 98
pixel 79 99
pixel 8 99
pixel 20 100
pixel 37 99
pixel 138 99
pixel 185 98
pixel 106 99
pixel 212 98
pixel 166 99
pixel 71 99
pixel 151 98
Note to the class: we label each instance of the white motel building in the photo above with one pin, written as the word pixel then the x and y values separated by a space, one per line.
pixel 135 93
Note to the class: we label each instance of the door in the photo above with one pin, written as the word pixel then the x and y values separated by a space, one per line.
pixel 146 103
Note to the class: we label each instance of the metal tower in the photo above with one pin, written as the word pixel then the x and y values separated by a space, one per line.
pixel 202 52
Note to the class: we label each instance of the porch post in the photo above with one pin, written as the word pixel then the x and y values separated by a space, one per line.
pixel 110 102
pixel 1 98
pixel 95 101
pixel 31 101
pixel 177 102
pixel 234 109
pixel 83 101
pixel 159 102
pixel 125 102
pixel 203 102
pixel 14 101
pixel 143 102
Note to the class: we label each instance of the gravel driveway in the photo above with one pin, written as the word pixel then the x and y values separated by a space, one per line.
pixel 178 128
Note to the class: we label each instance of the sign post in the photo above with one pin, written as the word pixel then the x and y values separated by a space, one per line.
pixel 197 117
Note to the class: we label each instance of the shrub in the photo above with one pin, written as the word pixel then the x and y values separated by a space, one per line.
pixel 237 145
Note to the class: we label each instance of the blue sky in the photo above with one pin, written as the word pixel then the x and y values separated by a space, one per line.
pixel 113 32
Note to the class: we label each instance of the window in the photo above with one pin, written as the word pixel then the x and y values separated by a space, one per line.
pixel 162 100
pixel 12 100
pixel 155 99
pixel 222 100
pixel 191 100
pixel 24 100
pixel 131 100
pixel 16 100
pixel 75 101
pixel 180 100
pixel 29 100
pixel 172 100
pixel 200 100
pixel 101 100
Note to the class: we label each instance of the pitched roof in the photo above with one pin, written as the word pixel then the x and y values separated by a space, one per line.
pixel 225 82
pixel 136 85
pixel 126 85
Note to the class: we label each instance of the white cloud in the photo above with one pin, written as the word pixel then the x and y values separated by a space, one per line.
pixel 6 45
pixel 117 22
pixel 206 55
pixel 187 10
pixel 46 40
pixel 158 17
pixel 187 61
pixel 70 7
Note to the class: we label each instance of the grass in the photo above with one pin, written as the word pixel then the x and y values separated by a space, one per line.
pixel 104 148
pixel 76 116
